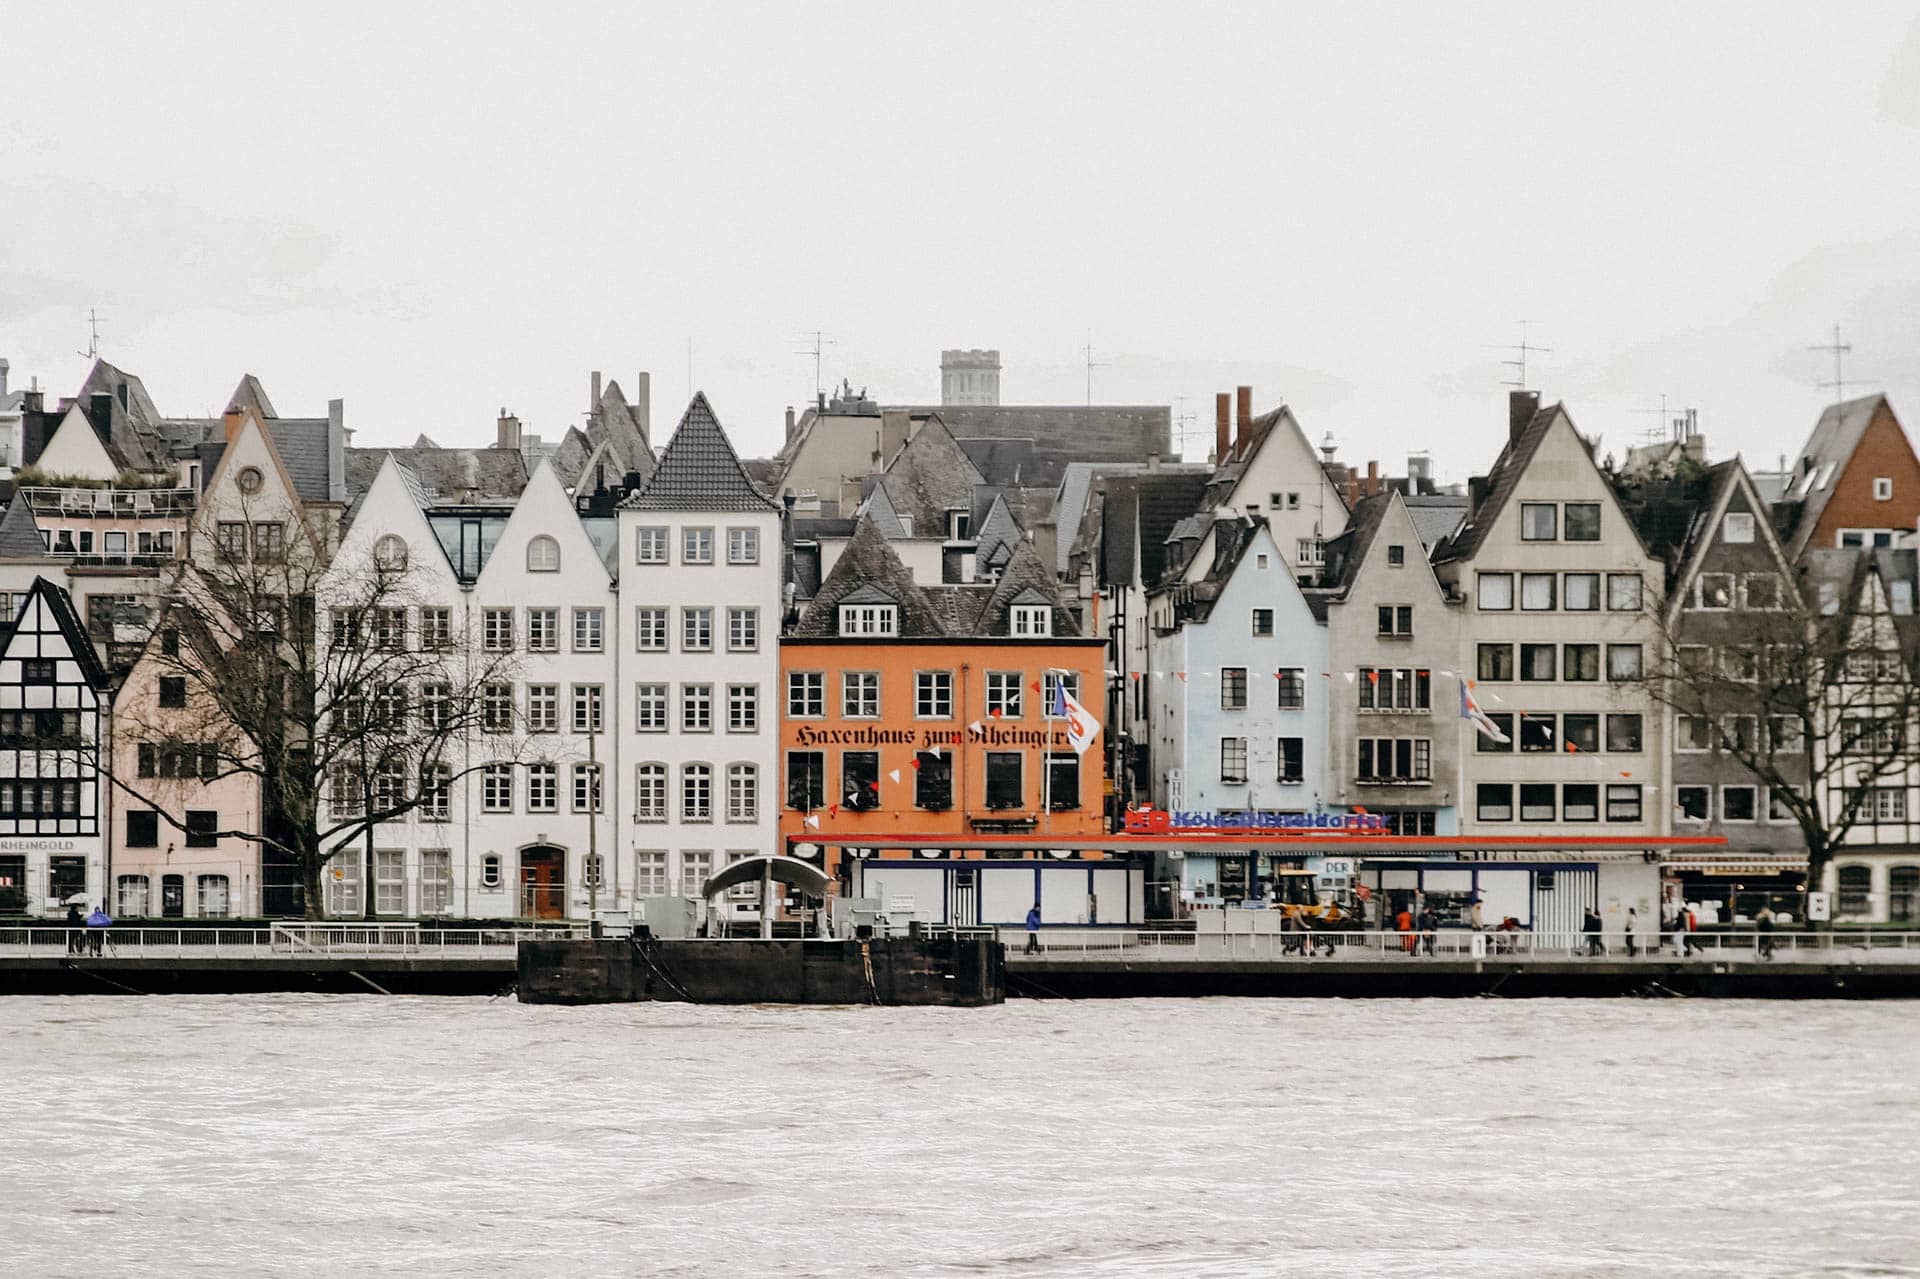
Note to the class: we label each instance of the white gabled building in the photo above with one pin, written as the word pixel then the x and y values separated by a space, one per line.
pixel 698 664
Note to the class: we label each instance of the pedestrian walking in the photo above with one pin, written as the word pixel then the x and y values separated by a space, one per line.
pixel 1764 923
pixel 1590 925
pixel 1403 922
pixel 1686 914
pixel 1633 945
pixel 1429 928
pixel 76 930
pixel 1677 927
pixel 97 924
pixel 1033 930
pixel 1475 919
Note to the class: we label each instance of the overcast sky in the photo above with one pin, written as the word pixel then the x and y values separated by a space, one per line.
pixel 434 211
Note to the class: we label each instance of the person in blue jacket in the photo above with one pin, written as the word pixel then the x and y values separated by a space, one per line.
pixel 1033 930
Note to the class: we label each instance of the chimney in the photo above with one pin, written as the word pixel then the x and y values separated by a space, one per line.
pixel 4 366
pixel 1521 406
pixel 1373 478
pixel 593 405
pixel 643 405
pixel 1222 419
pixel 894 431
pixel 1245 406
pixel 507 431
pixel 790 422
pixel 337 451
pixel 230 424
pixel 1353 487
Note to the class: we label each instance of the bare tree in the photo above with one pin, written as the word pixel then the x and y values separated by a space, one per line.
pixel 1815 699
pixel 337 689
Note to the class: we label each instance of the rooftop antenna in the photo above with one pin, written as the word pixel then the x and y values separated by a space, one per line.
pixel 1520 350
pixel 93 335
pixel 820 342
pixel 1838 350
pixel 1673 428
pixel 689 368
pixel 1182 422
pixel 1092 364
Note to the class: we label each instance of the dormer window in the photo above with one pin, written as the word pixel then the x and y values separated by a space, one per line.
pixel 543 555
pixel 1032 620
pixel 869 619
pixel 959 525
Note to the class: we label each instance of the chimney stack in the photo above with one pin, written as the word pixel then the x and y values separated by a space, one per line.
pixel 1245 396
pixel 230 423
pixel 643 405
pixel 1521 406
pixel 790 422
pixel 1222 418
pixel 4 366
pixel 1373 478
pixel 507 431
pixel 337 439
pixel 593 405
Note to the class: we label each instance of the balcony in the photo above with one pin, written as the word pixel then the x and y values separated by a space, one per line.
pixel 111 503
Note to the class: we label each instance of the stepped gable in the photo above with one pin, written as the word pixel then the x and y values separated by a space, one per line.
pixel 699 471
pixel 869 570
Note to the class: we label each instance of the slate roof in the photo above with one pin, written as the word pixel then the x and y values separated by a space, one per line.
pixel 699 471
pixel 302 445
pixel 251 395
pixel 1124 432
pixel 1435 515
pixel 1835 436
pixel 879 508
pixel 997 535
pixel 449 476
pixel 19 533
pixel 929 477
pixel 1146 509
pixel 1502 480
pixel 1347 552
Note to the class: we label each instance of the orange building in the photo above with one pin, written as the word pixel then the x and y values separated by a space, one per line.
pixel 919 715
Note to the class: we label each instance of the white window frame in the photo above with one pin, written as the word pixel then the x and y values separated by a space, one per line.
pixel 650 544
pixel 696 544
pixel 589 630
pixel 651 713
pixel 869 620
pixel 1031 621
pixel 651 627
pixel 743 545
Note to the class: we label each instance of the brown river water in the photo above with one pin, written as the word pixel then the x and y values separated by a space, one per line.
pixel 348 1135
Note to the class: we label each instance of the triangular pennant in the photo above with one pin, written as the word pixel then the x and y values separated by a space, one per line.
pixel 975 727
pixel 993 712
pixel 813 820
pixel 1035 686
pixel 895 773
pixel 914 764
pixel 1349 676
pixel 833 810
pixel 1181 676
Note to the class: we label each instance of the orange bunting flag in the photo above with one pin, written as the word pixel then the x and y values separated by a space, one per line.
pixel 1181 676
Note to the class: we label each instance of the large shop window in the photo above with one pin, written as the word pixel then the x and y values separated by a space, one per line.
pixel 1063 782
pixel 1003 779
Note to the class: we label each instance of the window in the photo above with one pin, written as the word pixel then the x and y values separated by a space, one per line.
pixel 543 630
pixel 1396 620
pixel 696 546
pixel 1855 896
pixel 1537 661
pixel 743 630
pixel 543 555
pixel 650 708
pixel 650 793
pixel 806 694
pixel 743 708
pixel 436 630
pixel 436 881
pixel 1310 551
pixel 201 827
pixel 1692 733
pixel 1784 735
pixel 543 788
pixel 1623 803
pixel 1489 745
pixel 743 546
pixel 959 524
pixel 650 545
pixel 496 630
pixel 586 788
pixel 1763 590
pixel 869 619
pixel 1394 759
pixel 1883 488
pixel 1692 802
pixel 214 900
pixel 1262 621
pixel 1233 688
pixel 1623 592
pixel 1580 732
pixel 1003 694
pixel 696 708
pixel 806 780
pixel 389 881
pixel 390 553
pixel 696 630
pixel 1581 592
pixel 650 873
pixel 1739 804
pixel 173 690
pixel 860 695
pixel 1737 527
pixel 696 866
pixel 860 780
pixel 1396 556
pixel 696 793
pixel 1400 688
pixel 131 900
pixel 1580 662
pixel 743 793
pixel 1031 620
pixel 436 796
pixel 269 542
pixel 1005 782
pixel 341 880
pixel 1233 760
pixel 1291 757
pixel 1539 522
pixel 496 708
pixel 1537 591
pixel 345 791
pixel 1623 662
pixel 1537 731
pixel 390 629
pixel 496 788
pixel 1712 591
pixel 1538 802
pixel 1293 688
pixel 932 781
pixel 1493 802
pixel 1624 733
pixel 1496 592
pixel 143 828
pixel 230 539
pixel 933 694
pixel 1063 782
pixel 650 628
pixel 588 629
pixel 1583 521
pixel 1494 662
pixel 1580 802
pixel 249 480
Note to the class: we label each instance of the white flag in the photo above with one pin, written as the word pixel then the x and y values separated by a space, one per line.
pixel 1082 727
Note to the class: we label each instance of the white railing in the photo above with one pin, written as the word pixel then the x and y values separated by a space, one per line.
pixel 93 502
pixel 1176 946
pixel 280 941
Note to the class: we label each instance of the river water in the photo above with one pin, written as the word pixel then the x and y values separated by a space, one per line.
pixel 367 1135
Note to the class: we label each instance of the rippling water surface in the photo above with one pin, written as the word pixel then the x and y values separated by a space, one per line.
pixel 354 1135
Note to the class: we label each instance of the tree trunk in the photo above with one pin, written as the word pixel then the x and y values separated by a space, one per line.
pixel 312 869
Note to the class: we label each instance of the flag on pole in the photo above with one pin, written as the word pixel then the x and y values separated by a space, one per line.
pixel 1470 709
pixel 1082 728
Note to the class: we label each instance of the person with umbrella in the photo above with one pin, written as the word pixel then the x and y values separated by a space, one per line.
pixel 97 924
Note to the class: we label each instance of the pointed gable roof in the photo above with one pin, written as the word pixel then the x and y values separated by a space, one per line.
pixel 869 567
pixel 997 534
pixel 929 477
pixel 20 533
pixel 251 395
pixel 1026 580
pixel 879 508
pixel 59 606
pixel 699 470
pixel 1724 480
pixel 1347 552
pixel 1816 472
